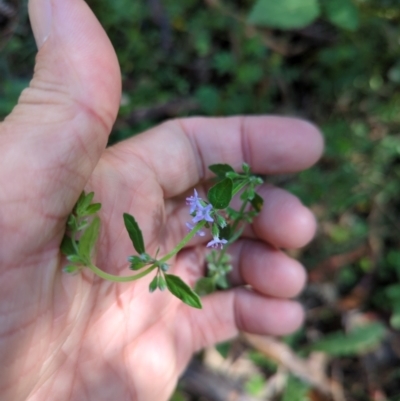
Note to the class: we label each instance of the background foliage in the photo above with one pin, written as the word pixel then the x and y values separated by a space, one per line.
pixel 335 62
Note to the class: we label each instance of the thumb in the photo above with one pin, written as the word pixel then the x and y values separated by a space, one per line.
pixel 54 137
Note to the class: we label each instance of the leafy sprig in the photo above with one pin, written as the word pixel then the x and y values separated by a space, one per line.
pixel 225 224
pixel 83 230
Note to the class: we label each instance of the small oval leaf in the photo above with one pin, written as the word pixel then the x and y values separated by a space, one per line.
pixel 154 284
pixel 284 14
pixel 342 13
pixel 362 339
pixel 71 269
pixel 257 202
pixel 92 209
pixel 83 203
pixel 205 286
pixel 220 195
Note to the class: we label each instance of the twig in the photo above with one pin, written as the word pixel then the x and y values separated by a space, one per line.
pixel 311 370
pixel 334 263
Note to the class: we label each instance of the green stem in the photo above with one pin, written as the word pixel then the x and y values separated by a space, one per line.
pixel 185 240
pixel 234 227
pixel 73 237
pixel 121 279
pixel 239 187
pixel 241 211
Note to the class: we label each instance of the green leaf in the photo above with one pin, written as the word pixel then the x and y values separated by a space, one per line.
pixel 182 291
pixel 83 203
pixel 225 232
pixel 71 269
pixel 395 318
pixel 72 222
pixel 162 285
pixel 209 98
pixel 92 209
pixel 220 221
pixel 80 200
pixel 164 267
pixel 246 168
pixel 251 193
pixel 75 259
pixel 205 286
pixel 296 390
pixel 83 224
pixel 136 262
pixel 222 281
pixel 393 291
pixel 88 240
pixel 220 195
pixel 233 175
pixel 248 194
pixel 356 342
pixel 238 185
pixel 224 348
pixel 215 230
pixel 257 202
pixel 395 321
pixel 178 396
pixel 154 284
pixel 342 13
pixel 256 384
pixel 284 14
pixel 134 232
pixel 232 213
pixel 67 246
pixel 221 169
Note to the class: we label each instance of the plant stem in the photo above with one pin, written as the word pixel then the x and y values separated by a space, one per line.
pixel 241 211
pixel 120 279
pixel 234 227
pixel 185 240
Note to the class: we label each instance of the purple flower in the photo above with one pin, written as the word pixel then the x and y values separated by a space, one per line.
pixel 193 202
pixel 191 226
pixel 203 213
pixel 216 241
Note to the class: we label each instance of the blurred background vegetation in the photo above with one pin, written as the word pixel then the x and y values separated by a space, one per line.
pixel 334 62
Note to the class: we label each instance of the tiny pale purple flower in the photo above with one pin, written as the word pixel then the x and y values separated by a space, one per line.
pixel 191 226
pixel 193 202
pixel 217 242
pixel 203 213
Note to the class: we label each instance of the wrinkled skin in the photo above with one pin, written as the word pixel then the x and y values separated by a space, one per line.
pixel 80 338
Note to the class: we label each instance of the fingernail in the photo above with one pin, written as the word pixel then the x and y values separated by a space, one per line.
pixel 40 15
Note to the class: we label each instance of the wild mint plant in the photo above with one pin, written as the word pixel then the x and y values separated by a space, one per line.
pixel 214 214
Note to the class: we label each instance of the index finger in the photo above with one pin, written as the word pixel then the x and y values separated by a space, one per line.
pixel 180 151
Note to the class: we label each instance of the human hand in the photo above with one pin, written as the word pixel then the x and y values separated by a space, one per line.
pixel 78 337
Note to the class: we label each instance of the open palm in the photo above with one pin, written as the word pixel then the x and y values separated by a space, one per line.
pixel 80 338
